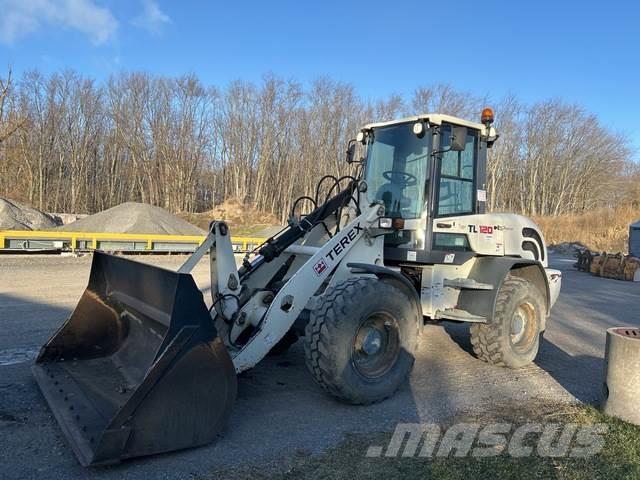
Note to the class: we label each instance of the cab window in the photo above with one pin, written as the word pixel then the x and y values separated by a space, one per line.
pixel 397 170
pixel 457 175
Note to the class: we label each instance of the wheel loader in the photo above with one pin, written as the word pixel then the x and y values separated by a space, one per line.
pixel 144 366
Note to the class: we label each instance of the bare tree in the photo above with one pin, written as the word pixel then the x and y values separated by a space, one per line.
pixel 70 144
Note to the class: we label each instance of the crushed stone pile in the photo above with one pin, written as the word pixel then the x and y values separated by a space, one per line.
pixel 133 217
pixel 65 218
pixel 17 216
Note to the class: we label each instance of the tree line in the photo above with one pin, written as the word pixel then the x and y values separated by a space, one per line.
pixel 71 144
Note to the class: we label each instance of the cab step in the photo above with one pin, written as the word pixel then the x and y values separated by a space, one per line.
pixel 459 315
pixel 466 284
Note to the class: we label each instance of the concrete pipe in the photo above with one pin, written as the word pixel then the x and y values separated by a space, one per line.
pixel 621 389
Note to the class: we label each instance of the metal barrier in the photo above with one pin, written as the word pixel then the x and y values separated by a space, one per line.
pixel 128 242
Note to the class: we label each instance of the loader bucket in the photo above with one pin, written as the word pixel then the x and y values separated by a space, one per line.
pixel 138 368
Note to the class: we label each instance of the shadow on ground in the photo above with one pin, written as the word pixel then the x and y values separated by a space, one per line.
pixel 580 375
pixel 279 410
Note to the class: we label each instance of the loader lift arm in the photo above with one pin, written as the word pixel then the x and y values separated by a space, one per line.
pixel 294 296
pixel 270 322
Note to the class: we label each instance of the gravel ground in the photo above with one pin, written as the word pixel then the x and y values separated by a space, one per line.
pixel 280 411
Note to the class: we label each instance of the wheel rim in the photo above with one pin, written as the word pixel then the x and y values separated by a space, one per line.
pixel 524 327
pixel 376 345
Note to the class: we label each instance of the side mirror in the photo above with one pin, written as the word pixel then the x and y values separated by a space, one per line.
pixel 351 150
pixel 458 138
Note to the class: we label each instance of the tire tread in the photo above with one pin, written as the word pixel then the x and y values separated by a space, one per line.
pixel 323 327
pixel 485 338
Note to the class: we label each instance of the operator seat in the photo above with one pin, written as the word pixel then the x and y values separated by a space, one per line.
pixel 391 194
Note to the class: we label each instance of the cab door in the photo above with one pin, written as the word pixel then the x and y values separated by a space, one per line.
pixel 455 191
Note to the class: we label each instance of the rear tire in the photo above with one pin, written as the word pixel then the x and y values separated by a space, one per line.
pixel 512 337
pixel 361 339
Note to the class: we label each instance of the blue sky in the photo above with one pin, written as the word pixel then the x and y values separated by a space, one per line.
pixel 583 52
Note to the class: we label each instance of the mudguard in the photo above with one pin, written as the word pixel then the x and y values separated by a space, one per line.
pixel 493 270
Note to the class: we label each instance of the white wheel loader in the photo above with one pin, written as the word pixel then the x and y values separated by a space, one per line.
pixel 142 366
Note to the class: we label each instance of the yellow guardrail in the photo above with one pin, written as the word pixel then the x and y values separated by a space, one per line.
pixel 92 240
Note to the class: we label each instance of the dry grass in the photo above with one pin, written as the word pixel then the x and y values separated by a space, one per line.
pixel 600 230
pixel 243 219
pixel 619 458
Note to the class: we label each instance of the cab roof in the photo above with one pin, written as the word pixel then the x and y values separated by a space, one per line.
pixel 432 118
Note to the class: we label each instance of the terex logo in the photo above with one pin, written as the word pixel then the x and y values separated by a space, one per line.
pixel 346 239
pixel 320 267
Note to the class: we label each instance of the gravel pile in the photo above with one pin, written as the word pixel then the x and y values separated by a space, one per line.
pixel 65 218
pixel 566 248
pixel 16 216
pixel 132 217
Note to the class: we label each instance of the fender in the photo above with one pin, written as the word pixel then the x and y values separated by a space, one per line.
pixel 396 277
pixel 493 270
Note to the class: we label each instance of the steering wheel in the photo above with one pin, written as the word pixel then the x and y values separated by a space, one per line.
pixel 408 180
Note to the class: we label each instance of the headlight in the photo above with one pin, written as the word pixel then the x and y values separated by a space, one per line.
pixel 385 223
pixel 418 129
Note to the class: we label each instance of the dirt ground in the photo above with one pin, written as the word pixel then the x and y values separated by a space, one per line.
pixel 280 411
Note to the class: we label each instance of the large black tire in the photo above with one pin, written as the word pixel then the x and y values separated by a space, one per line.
pixel 512 337
pixel 361 340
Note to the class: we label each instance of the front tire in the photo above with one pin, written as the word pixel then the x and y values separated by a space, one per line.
pixel 361 340
pixel 512 337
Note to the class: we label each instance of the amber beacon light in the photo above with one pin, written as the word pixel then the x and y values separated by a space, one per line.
pixel 487 116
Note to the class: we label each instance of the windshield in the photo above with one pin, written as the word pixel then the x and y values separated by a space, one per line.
pixel 397 170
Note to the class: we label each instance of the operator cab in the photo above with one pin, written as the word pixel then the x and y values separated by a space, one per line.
pixel 423 169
